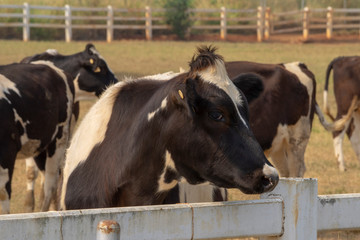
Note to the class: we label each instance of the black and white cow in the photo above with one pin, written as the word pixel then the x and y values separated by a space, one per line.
pixel 281 119
pixel 91 76
pixel 144 136
pixel 36 102
pixel 346 74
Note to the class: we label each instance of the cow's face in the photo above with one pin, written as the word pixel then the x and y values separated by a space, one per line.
pixel 95 75
pixel 214 141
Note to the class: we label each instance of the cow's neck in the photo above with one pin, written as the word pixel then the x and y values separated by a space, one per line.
pixel 70 64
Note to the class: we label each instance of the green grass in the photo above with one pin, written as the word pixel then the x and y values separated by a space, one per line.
pixel 136 58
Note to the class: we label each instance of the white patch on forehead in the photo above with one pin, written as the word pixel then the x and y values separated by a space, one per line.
pixel 81 94
pixel 169 164
pixel 217 76
pixel 5 86
pixel 162 106
pixel 53 52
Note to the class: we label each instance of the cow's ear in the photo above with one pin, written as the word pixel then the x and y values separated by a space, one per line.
pixel 186 97
pixel 88 48
pixel 91 60
pixel 250 84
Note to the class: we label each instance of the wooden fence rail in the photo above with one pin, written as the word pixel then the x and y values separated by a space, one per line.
pixel 293 210
pixel 261 21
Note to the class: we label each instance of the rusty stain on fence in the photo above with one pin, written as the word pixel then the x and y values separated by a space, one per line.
pixel 108 226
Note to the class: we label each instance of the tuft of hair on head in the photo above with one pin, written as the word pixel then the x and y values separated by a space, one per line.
pixel 204 58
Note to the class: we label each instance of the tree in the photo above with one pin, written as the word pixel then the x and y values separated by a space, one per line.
pixel 177 16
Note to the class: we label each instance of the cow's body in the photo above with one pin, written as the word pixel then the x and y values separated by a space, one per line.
pixel 36 102
pixel 91 76
pixel 346 74
pixel 144 136
pixel 281 117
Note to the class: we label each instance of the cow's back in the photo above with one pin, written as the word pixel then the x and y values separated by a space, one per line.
pixel 39 100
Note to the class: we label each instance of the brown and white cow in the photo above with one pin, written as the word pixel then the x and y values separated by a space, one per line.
pixel 346 74
pixel 281 117
pixel 144 136
pixel 36 102
pixel 91 76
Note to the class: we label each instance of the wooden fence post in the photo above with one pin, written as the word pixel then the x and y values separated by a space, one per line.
pixel 300 208
pixel 110 24
pixel 68 29
pixel 148 23
pixel 267 23
pixel 260 31
pixel 26 22
pixel 329 23
pixel 223 30
pixel 306 23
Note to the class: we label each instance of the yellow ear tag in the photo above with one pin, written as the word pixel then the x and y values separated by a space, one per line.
pixel 181 94
pixel 97 69
pixel 91 61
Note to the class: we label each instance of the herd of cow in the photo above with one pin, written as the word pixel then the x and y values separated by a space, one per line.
pixel 146 139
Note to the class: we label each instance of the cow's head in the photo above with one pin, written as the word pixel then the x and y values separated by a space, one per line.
pixel 212 140
pixel 94 75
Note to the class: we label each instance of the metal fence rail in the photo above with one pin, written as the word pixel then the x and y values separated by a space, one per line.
pixel 292 211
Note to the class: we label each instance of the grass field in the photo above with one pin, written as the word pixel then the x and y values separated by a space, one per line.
pixel 136 58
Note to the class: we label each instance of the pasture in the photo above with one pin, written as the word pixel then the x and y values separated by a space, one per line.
pixel 137 58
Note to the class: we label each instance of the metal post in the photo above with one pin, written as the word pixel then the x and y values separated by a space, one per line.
pixel 267 23
pixel 223 31
pixel 110 25
pixel 26 22
pixel 68 29
pixel 148 23
pixel 108 230
pixel 329 23
pixel 260 31
pixel 300 207
pixel 306 23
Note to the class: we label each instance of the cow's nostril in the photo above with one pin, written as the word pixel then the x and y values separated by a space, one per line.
pixel 269 182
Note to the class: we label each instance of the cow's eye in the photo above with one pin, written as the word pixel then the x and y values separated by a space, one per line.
pixel 216 116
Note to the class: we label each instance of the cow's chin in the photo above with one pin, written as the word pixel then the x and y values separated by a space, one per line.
pixel 230 184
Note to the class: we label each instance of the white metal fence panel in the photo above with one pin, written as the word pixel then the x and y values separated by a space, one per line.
pixel 238 219
pixel 338 212
pixel 180 221
pixel 293 211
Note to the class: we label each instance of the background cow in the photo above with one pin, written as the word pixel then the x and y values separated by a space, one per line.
pixel 91 76
pixel 346 74
pixel 144 136
pixel 281 117
pixel 36 102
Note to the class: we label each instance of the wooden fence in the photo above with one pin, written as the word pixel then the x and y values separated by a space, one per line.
pixel 293 211
pixel 260 21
